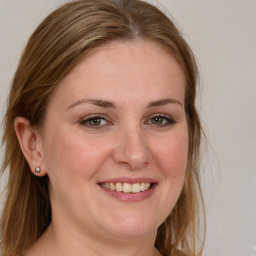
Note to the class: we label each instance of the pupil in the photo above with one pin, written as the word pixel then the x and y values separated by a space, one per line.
pixel 95 121
pixel 157 120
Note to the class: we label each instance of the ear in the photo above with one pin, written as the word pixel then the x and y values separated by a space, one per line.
pixel 31 145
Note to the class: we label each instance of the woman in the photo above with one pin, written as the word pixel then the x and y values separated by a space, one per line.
pixel 102 136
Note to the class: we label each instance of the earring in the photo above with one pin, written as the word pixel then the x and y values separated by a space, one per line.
pixel 38 169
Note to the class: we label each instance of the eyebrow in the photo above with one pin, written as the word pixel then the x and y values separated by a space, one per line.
pixel 100 103
pixel 108 104
pixel 164 102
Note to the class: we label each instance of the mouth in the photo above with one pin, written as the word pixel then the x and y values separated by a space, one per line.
pixel 126 187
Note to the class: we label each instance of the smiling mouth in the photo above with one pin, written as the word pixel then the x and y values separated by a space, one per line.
pixel 127 187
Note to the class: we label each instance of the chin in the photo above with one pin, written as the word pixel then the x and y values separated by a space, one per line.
pixel 133 226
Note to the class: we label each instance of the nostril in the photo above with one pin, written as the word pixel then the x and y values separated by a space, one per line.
pixel 132 150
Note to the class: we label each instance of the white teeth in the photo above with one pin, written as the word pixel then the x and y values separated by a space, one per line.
pixel 112 186
pixel 119 187
pixel 127 187
pixel 135 188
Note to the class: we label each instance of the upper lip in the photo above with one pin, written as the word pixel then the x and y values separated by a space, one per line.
pixel 129 180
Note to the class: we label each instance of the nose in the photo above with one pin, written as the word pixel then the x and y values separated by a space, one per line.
pixel 132 150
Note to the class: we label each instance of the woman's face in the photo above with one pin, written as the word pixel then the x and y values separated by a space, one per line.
pixel 115 141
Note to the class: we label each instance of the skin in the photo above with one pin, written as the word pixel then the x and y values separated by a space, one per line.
pixel 142 80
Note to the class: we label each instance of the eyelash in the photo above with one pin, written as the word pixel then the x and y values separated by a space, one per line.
pixel 86 122
pixel 166 121
pixel 165 118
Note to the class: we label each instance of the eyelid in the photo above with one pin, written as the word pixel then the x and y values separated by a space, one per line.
pixel 85 119
pixel 167 117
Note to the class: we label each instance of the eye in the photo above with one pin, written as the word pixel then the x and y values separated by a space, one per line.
pixel 94 122
pixel 160 120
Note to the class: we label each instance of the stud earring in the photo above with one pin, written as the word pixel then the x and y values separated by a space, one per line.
pixel 38 169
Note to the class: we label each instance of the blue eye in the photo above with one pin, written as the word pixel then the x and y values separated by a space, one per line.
pixel 161 120
pixel 94 122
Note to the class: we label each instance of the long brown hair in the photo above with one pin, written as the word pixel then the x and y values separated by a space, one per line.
pixel 56 46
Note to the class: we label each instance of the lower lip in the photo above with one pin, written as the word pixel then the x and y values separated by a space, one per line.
pixel 130 197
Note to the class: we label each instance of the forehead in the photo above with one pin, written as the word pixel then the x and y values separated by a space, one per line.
pixel 124 67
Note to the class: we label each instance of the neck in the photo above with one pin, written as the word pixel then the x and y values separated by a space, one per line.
pixel 64 242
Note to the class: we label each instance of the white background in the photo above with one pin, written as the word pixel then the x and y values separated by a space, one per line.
pixel 222 34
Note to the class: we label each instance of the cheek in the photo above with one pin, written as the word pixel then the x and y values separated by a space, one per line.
pixel 172 154
pixel 72 162
pixel 74 155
